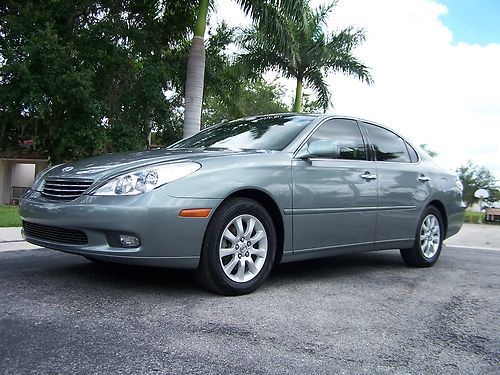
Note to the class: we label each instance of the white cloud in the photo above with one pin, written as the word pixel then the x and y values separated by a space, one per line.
pixel 427 88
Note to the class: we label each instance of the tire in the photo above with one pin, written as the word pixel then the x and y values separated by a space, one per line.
pixel 428 240
pixel 238 249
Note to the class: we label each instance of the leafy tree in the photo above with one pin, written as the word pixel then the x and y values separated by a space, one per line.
pixel 270 13
pixel 426 148
pixel 81 76
pixel 254 98
pixel 310 104
pixel 494 196
pixel 230 91
pixel 311 53
pixel 475 177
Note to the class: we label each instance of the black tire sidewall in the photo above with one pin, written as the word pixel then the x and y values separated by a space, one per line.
pixel 224 215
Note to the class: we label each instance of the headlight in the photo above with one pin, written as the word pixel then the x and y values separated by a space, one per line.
pixel 147 179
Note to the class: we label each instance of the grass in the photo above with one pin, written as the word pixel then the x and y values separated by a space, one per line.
pixel 9 216
pixel 473 218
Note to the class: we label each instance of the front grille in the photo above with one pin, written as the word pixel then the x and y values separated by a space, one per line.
pixel 55 234
pixel 65 189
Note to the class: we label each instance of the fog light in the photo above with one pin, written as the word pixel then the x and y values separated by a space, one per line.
pixel 117 239
pixel 129 241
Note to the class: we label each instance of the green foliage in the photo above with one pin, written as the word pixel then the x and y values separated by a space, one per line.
pixel 230 90
pixel 254 98
pixel 9 216
pixel 274 16
pixel 311 105
pixel 426 148
pixel 473 217
pixel 310 52
pixel 271 14
pixel 80 76
pixel 475 177
pixel 495 195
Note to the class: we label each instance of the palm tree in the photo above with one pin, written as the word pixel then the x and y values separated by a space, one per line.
pixel 270 14
pixel 311 53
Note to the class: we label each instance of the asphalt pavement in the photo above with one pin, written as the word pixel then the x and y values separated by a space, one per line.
pixel 362 314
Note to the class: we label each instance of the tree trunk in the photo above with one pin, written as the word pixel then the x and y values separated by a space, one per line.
pixel 297 106
pixel 195 75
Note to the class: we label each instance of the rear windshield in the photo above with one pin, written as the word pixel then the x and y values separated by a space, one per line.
pixel 261 133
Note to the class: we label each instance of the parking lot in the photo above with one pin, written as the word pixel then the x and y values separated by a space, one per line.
pixel 367 313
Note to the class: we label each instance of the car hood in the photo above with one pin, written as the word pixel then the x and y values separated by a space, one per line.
pixel 103 166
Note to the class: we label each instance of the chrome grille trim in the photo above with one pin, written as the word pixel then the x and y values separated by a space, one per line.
pixel 65 189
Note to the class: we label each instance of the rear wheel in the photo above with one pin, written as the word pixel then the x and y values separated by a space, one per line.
pixel 238 249
pixel 428 241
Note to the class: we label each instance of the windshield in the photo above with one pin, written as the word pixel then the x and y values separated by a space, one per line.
pixel 255 133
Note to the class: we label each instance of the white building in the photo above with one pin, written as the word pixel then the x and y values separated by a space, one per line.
pixel 17 175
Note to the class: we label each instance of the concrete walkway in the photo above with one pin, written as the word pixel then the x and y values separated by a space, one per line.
pixel 10 234
pixel 476 236
pixel 471 235
pixel 11 240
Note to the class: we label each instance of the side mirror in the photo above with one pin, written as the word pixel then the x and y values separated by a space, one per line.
pixel 322 148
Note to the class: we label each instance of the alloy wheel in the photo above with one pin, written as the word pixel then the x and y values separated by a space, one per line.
pixel 243 248
pixel 430 236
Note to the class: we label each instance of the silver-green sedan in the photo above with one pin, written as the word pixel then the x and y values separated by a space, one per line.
pixel 239 197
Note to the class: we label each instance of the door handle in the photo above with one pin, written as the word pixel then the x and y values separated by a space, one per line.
pixel 368 176
pixel 423 178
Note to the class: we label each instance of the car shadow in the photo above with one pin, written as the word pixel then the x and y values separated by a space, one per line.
pixel 77 270
pixel 134 278
pixel 340 266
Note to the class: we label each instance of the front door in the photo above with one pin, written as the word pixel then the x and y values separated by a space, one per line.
pixel 334 198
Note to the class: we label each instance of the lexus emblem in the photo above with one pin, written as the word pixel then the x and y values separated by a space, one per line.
pixel 67 169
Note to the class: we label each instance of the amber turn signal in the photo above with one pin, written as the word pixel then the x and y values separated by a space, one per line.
pixel 195 212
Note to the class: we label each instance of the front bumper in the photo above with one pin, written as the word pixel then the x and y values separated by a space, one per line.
pixel 166 239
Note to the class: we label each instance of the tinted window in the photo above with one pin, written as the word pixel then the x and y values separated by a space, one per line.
pixel 387 145
pixel 348 136
pixel 257 133
pixel 413 153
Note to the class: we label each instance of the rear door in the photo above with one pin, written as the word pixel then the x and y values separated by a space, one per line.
pixel 335 198
pixel 403 188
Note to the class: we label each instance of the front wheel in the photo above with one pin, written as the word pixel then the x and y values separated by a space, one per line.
pixel 238 249
pixel 428 242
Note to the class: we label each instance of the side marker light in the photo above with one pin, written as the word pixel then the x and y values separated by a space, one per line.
pixel 195 212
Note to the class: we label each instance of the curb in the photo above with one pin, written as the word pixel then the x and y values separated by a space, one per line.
pixel 472 247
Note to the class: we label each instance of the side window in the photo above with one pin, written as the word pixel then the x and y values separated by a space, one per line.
pixel 348 136
pixel 413 153
pixel 387 145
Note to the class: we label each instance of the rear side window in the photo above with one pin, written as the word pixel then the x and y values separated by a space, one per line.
pixel 348 136
pixel 387 146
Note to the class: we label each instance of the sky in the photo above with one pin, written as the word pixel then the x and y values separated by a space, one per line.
pixel 436 66
pixel 473 21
